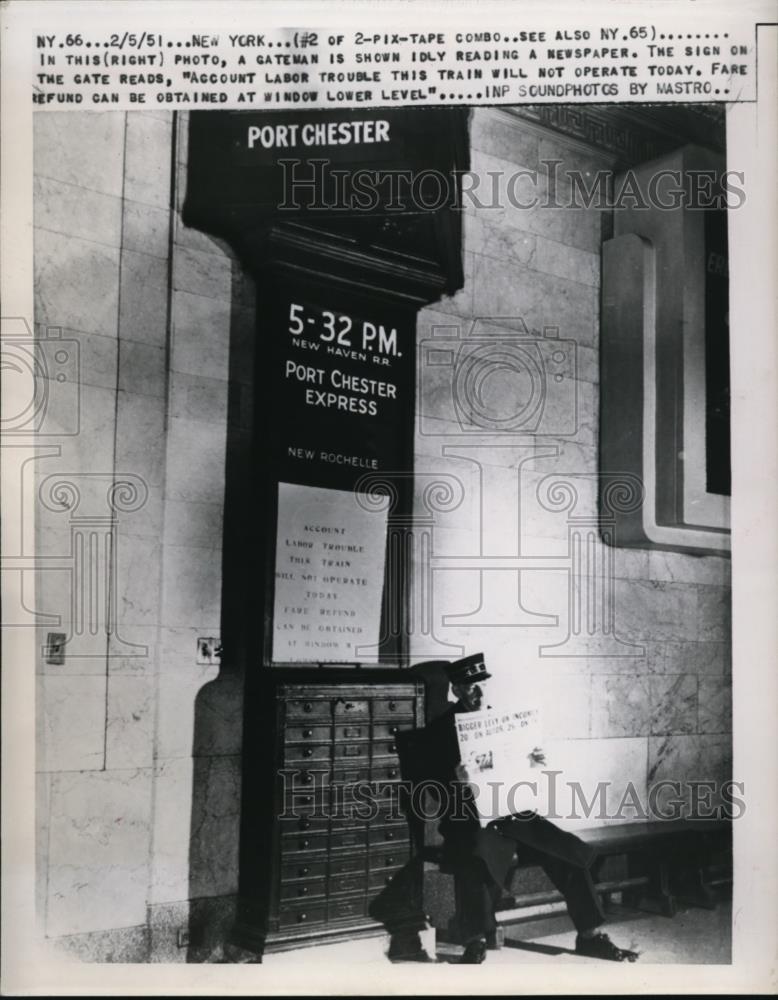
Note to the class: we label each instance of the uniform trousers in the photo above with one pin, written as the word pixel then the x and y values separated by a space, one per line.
pixel 565 859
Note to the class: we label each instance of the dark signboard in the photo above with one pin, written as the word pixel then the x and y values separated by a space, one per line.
pixel 339 376
pixel 336 385
pixel 342 164
pixel 349 221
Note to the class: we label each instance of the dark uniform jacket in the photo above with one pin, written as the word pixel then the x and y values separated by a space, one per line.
pixel 459 825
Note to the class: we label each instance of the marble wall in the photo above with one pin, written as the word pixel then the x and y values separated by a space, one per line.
pixel 138 760
pixel 138 764
pixel 627 651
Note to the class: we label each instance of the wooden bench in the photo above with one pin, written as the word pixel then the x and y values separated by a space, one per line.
pixel 668 861
pixel 665 861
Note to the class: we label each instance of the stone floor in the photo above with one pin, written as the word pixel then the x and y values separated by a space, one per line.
pixel 693 936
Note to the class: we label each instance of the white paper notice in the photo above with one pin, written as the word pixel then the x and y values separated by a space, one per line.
pixel 495 747
pixel 329 576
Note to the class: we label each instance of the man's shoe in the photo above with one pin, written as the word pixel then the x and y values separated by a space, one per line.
pixel 474 953
pixel 601 946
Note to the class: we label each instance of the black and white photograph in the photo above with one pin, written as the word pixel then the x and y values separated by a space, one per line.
pixel 388 444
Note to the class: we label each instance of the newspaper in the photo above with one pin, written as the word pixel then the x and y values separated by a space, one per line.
pixel 499 751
